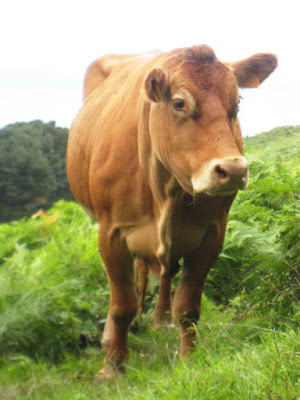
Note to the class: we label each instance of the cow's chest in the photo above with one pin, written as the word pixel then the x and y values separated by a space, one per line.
pixel 151 240
pixel 174 234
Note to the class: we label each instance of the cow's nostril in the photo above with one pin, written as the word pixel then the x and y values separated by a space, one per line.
pixel 221 172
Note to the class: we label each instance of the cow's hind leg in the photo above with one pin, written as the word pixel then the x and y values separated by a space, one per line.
pixel 123 301
pixel 188 293
pixel 141 281
pixel 163 311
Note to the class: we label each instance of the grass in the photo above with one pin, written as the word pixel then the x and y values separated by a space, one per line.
pixel 233 361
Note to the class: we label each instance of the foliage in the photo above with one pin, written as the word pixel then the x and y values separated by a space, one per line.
pixel 32 168
pixel 54 299
pixel 260 260
pixel 52 290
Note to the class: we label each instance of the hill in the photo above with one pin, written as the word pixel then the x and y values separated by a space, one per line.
pixel 54 297
pixel 283 142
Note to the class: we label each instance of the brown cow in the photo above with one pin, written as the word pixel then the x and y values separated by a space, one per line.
pixel 156 156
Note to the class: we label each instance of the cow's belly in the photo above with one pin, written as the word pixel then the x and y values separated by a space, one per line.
pixel 144 241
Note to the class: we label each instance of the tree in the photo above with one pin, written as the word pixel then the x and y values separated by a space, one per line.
pixel 32 168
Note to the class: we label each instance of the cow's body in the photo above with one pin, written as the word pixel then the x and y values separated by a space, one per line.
pixel 154 131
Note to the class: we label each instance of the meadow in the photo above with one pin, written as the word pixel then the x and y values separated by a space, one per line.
pixel 54 298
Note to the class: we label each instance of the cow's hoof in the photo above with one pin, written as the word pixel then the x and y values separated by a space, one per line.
pixel 166 320
pixel 106 375
pixel 165 325
pixel 163 322
pixel 105 343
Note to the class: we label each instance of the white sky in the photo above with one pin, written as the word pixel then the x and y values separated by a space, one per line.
pixel 47 45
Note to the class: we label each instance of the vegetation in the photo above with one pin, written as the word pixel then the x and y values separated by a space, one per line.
pixel 32 168
pixel 261 257
pixel 232 361
pixel 54 299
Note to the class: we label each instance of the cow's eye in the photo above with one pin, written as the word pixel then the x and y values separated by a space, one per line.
pixel 179 105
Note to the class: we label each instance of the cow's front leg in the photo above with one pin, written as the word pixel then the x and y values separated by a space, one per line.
pixel 123 302
pixel 107 333
pixel 188 293
pixel 187 307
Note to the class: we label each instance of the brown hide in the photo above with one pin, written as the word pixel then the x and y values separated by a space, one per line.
pixel 155 155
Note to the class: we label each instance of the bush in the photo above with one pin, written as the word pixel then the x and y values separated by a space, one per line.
pixel 260 260
pixel 53 291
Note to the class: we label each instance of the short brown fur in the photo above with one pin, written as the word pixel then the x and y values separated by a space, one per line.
pixel 154 131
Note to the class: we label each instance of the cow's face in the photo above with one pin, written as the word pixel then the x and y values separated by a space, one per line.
pixel 193 121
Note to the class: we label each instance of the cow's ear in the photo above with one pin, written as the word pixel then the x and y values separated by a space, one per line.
pixel 252 71
pixel 156 85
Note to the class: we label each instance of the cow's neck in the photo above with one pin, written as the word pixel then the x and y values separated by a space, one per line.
pixel 166 193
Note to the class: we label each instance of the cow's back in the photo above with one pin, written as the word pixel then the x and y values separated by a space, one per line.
pixel 102 68
pixel 108 113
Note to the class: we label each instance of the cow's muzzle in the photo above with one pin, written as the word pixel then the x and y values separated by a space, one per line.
pixel 222 177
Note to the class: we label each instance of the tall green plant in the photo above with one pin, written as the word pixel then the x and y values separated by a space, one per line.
pixel 260 260
pixel 53 291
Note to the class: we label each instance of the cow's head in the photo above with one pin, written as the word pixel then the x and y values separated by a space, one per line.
pixel 193 125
